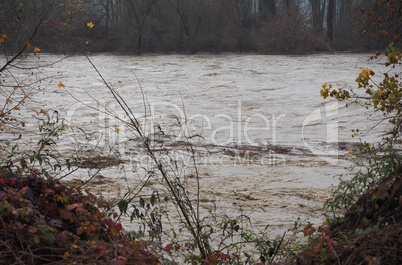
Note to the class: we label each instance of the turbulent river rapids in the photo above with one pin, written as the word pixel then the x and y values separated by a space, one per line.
pixel 265 143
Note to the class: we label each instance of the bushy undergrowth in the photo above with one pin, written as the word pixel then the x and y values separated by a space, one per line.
pixel 364 221
pixel 294 35
pixel 365 216
pixel 374 165
pixel 369 232
pixel 45 222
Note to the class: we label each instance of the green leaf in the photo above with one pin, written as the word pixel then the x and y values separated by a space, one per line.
pixel 23 162
pixel 40 159
pixel 45 228
pixel 123 205
pixel 153 199
pixel 49 237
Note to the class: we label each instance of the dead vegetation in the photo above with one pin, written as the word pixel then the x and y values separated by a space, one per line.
pixel 369 233
pixel 45 222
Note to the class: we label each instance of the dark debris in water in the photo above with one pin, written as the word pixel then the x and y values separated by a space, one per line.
pixel 101 162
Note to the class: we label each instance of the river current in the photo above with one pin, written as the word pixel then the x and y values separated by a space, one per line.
pixel 267 145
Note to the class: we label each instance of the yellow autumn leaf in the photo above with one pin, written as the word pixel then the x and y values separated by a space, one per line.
pixel 42 111
pixel 9 100
pixel 61 84
pixel 58 198
pixel 16 87
pixel 28 44
pixel 66 255
pixel 16 108
pixel 376 191
pixel 117 129
pixel 32 229
pixel 36 50
pixel 90 25
pixel 4 35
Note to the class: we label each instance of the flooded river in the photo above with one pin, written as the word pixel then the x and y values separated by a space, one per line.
pixel 266 144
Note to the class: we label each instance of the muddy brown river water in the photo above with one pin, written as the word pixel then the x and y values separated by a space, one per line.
pixel 266 144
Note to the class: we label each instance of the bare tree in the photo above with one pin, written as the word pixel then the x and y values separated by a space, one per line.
pixel 267 9
pixel 318 12
pixel 137 14
pixel 331 19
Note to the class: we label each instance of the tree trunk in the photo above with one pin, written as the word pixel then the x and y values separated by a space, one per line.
pixel 330 19
pixel 139 45
pixel 317 12
pixel 267 9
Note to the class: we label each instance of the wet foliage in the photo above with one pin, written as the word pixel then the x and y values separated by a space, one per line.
pixel 43 221
pixel 369 233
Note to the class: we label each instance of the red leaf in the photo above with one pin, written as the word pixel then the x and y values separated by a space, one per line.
pixel 79 210
pixel 66 215
pixel 320 239
pixel 61 238
pixel 101 249
pixel 330 242
pixel 13 183
pixel 109 222
pixel 316 249
pixel 48 191
pixel 168 247
pixel 71 207
pixel 122 252
pixel 91 229
pixel 213 258
pixel 80 230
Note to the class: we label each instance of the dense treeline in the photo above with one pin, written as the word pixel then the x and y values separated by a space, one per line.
pixel 189 26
